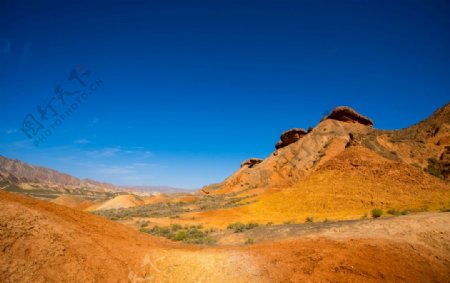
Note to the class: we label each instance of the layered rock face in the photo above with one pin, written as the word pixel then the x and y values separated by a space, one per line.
pixel 300 152
pixel 297 154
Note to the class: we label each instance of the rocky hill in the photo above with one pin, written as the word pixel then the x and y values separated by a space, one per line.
pixel 46 183
pixel 38 174
pixel 300 152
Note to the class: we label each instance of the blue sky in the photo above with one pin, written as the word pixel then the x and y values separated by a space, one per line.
pixel 190 89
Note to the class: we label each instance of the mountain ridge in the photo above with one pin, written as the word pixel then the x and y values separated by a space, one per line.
pixel 425 144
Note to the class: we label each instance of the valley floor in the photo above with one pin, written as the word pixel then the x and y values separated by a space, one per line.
pixel 45 242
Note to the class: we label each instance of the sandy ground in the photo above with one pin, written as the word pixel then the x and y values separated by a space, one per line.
pixel 44 242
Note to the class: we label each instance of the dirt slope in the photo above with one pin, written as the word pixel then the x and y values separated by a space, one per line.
pixel 351 184
pixel 73 202
pixel 44 242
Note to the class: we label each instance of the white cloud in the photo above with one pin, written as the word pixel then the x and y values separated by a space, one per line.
pixel 105 152
pixel 109 152
pixel 93 122
pixel 11 131
pixel 126 170
pixel 144 164
pixel 81 141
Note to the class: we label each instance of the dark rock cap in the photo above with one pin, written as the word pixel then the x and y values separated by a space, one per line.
pixel 347 114
pixel 290 136
pixel 251 162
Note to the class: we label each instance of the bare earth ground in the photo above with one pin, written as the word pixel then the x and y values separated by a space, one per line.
pixel 45 242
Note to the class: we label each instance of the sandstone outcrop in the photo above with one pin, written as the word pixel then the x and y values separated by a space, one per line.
pixel 290 136
pixel 251 162
pixel 347 114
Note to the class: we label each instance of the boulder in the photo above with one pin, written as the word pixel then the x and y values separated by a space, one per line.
pixel 251 162
pixel 347 114
pixel 290 136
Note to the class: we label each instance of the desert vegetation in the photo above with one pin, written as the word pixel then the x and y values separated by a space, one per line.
pixel 239 227
pixel 376 212
pixel 42 191
pixel 189 234
pixel 173 210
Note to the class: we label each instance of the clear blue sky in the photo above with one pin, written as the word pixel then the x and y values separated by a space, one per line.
pixel 190 89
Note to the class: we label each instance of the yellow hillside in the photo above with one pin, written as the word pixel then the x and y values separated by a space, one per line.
pixel 73 202
pixel 122 201
pixel 346 187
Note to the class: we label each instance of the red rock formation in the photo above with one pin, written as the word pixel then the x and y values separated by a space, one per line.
pixel 347 114
pixel 290 136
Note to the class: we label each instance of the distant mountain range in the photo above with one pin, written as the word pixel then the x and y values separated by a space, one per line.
pixel 45 183
pixel 37 174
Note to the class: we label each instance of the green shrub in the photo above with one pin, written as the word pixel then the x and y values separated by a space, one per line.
pixel 211 230
pixel 309 219
pixel 180 235
pixel 209 240
pixel 251 225
pixel 145 230
pixel 394 211
pixel 175 227
pixel 376 212
pixel 237 227
pixel 144 224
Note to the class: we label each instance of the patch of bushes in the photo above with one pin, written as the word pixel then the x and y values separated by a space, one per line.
pixel 309 219
pixel 175 232
pixel 142 224
pixel 251 225
pixel 394 211
pixel 174 210
pixel 376 212
pixel 239 227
